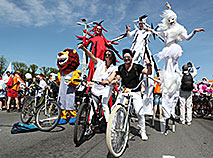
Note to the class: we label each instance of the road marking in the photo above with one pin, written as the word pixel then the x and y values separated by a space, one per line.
pixel 168 156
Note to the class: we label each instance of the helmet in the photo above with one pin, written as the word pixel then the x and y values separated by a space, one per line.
pixel 28 76
pixel 53 76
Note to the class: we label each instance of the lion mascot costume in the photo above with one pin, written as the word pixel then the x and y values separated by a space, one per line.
pixel 67 62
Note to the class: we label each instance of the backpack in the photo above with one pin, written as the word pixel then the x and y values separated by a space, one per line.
pixel 187 82
pixel 22 128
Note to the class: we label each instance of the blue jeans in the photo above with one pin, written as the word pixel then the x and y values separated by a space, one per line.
pixel 157 99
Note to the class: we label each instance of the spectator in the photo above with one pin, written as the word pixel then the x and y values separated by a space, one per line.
pixel 6 77
pixel 186 93
pixel 17 81
pixel 42 84
pixel 2 93
pixel 157 97
pixel 10 92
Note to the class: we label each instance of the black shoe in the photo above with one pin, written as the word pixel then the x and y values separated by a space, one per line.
pixel 8 110
pixel 18 110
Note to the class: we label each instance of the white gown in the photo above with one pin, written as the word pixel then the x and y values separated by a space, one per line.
pixel 170 74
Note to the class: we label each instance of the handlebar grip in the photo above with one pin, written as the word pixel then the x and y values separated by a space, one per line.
pixel 77 80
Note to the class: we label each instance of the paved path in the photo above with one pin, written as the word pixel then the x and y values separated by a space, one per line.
pixel 195 141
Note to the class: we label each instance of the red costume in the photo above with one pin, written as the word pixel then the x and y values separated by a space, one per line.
pixel 98 47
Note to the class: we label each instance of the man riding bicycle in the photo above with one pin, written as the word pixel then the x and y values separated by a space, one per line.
pixel 130 72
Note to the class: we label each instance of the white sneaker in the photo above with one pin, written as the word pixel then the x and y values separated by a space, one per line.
pixel 166 133
pixel 189 123
pixel 144 136
pixel 183 122
pixel 173 128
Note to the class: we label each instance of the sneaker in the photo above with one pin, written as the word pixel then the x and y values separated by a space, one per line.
pixel 189 123
pixel 88 132
pixel 144 136
pixel 166 133
pixel 182 122
pixel 18 110
pixel 8 110
pixel 173 128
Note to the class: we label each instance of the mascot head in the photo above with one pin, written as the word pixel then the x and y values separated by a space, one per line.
pixel 169 19
pixel 68 59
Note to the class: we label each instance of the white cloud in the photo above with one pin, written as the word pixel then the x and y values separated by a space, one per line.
pixel 9 12
pixel 43 12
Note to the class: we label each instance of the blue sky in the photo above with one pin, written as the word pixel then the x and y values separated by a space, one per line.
pixel 34 31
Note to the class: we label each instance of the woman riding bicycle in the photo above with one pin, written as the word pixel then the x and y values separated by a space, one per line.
pixel 105 72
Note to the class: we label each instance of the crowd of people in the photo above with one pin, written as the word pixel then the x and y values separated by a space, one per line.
pixel 13 88
pixel 169 85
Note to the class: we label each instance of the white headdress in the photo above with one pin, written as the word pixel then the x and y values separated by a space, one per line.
pixel 168 17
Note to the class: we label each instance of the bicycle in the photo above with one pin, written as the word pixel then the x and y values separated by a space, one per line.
pixel 46 111
pixel 82 121
pixel 118 126
pixel 202 104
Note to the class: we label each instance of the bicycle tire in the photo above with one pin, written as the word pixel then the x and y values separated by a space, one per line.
pixel 27 110
pixel 48 118
pixel 199 111
pixel 81 124
pixel 115 136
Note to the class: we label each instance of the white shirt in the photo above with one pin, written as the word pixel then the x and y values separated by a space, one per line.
pixel 42 84
pixel 101 74
pixel 2 88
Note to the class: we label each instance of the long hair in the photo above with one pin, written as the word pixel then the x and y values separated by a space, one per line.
pixel 113 56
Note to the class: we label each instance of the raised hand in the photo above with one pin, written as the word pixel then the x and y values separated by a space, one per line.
pixel 199 30
pixel 168 5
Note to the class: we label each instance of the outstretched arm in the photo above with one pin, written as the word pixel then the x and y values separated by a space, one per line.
pixel 188 37
pixel 89 54
pixel 168 5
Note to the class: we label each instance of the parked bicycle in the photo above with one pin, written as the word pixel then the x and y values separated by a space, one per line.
pixel 82 123
pixel 45 111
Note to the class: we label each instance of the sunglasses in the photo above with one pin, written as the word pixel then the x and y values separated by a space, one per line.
pixel 127 58
pixel 108 55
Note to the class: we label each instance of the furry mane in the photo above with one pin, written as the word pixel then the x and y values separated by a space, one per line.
pixel 167 14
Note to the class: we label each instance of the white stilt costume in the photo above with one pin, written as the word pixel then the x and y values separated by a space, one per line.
pixel 140 50
pixel 170 77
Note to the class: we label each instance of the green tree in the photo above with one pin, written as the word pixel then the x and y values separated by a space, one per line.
pixel 53 70
pixel 3 64
pixel 32 69
pixel 44 70
pixel 21 67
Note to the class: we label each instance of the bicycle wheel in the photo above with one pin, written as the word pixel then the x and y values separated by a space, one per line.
pixel 48 116
pixel 27 110
pixel 199 111
pixel 81 123
pixel 116 137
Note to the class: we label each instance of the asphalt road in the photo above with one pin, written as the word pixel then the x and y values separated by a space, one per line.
pixel 195 141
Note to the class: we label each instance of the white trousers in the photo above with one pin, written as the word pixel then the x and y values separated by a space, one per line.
pixel 185 99
pixel 138 106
